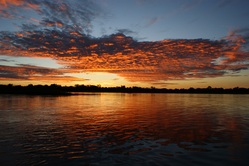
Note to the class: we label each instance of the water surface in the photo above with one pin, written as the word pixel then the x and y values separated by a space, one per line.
pixel 124 129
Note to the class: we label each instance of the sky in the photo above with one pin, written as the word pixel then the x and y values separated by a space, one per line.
pixel 159 43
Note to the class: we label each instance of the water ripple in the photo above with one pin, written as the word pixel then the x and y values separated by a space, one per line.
pixel 113 129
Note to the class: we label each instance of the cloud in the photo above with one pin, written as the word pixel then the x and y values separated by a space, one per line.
pixel 127 32
pixel 6 74
pixel 136 61
pixel 151 21
pixel 242 33
pixel 64 15
pixel 6 3
pixel 30 72
pixel 5 60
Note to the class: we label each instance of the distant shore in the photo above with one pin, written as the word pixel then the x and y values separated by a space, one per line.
pixel 55 89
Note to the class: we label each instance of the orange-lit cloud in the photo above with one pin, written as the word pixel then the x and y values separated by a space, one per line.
pixel 6 3
pixel 136 61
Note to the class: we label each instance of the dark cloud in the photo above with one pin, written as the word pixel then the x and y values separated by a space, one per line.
pixel 69 15
pixel 31 72
pixel 127 32
pixel 6 74
pixel 6 60
pixel 244 34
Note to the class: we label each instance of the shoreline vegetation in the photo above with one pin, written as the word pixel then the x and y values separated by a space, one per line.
pixel 55 89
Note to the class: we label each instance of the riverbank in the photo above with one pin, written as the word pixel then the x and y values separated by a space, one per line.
pixel 55 89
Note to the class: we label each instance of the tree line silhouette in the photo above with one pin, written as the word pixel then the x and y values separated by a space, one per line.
pixel 55 89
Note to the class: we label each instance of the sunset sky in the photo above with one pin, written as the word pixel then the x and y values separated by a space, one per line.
pixel 160 43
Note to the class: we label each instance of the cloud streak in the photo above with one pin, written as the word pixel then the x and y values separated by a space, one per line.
pixel 31 72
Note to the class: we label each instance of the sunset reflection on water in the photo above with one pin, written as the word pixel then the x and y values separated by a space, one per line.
pixel 110 129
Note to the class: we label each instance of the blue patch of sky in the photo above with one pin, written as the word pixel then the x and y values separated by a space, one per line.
pixel 158 20
pixel 41 62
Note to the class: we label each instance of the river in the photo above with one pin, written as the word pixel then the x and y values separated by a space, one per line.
pixel 124 129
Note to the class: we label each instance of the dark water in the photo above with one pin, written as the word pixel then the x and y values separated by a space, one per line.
pixel 125 129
